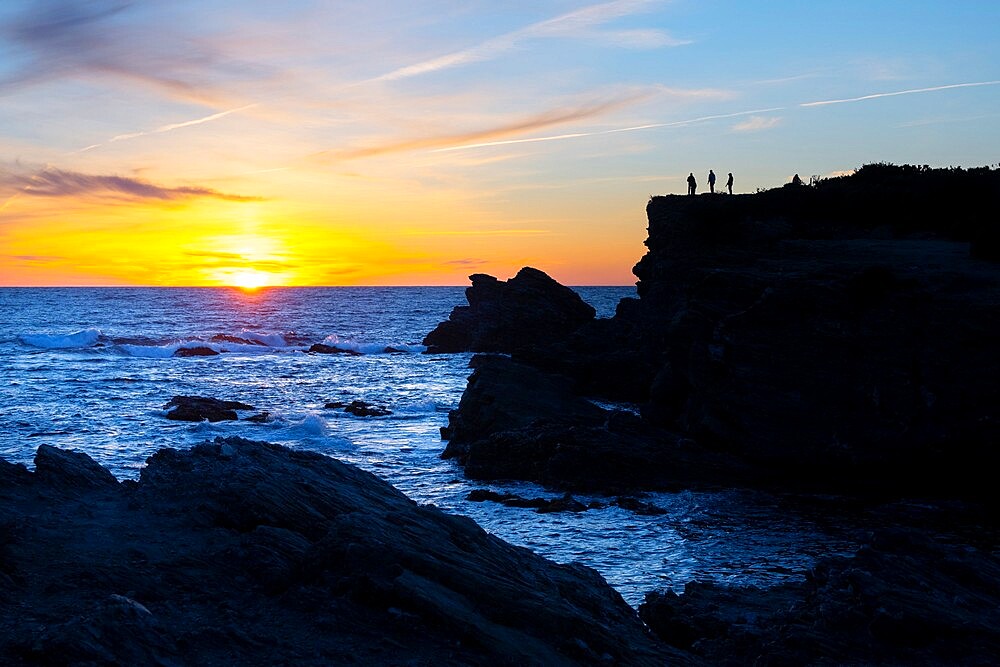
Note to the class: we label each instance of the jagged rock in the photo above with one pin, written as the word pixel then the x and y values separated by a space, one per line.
pixel 334 405
pixel 364 409
pixel 200 408
pixel 66 469
pixel 529 309
pixel 902 599
pixel 197 351
pixel 238 552
pixel 260 418
pixel 320 348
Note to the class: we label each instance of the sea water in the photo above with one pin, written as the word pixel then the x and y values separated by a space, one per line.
pixel 91 369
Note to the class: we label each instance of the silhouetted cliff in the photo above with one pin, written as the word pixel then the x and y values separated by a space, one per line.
pixel 833 336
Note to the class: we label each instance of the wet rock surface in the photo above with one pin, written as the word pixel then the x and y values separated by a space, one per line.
pixel 502 316
pixel 237 552
pixel 902 599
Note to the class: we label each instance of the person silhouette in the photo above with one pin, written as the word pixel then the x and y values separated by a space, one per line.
pixel 796 180
pixel 692 184
pixel 711 181
pixel 729 183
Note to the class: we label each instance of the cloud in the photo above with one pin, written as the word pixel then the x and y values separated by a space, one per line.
pixel 52 182
pixel 59 38
pixel 466 262
pixel 547 119
pixel 634 128
pixel 580 23
pixel 757 123
pixel 913 91
pixel 37 259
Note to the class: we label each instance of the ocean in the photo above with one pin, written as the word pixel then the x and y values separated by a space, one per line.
pixel 90 369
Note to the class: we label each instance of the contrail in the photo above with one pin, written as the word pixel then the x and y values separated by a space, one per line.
pixel 169 128
pixel 702 119
pixel 899 92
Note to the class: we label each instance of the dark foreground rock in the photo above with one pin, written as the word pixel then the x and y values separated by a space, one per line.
pixel 903 599
pixel 528 309
pixel 200 408
pixel 237 552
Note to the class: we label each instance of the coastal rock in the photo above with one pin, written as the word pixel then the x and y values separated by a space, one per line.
pixel 517 422
pixel 365 409
pixel 902 599
pixel 320 348
pixel 541 505
pixel 66 469
pixel 239 552
pixel 502 316
pixel 197 351
pixel 200 408
pixel 503 394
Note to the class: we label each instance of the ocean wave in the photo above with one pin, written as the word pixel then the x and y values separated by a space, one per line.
pixel 348 343
pixel 247 342
pixel 49 341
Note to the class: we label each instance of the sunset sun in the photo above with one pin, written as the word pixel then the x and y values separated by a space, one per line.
pixel 249 279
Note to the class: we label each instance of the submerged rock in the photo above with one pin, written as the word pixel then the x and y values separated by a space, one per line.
pixel 200 408
pixel 321 348
pixel 239 552
pixel 503 316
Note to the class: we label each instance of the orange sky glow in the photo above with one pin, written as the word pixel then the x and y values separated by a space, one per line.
pixel 195 143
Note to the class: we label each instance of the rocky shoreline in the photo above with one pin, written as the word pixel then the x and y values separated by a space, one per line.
pixel 241 552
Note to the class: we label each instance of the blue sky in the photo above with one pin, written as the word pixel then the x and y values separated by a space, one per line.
pixel 431 138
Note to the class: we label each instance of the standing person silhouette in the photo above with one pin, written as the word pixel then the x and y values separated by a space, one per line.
pixel 729 183
pixel 711 181
pixel 692 184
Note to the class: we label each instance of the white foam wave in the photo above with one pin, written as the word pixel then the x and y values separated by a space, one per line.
pixel 84 338
pixel 269 339
pixel 169 349
pixel 313 425
pixel 347 343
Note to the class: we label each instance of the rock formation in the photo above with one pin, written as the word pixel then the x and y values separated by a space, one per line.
pixel 836 337
pixel 239 552
pixel 503 316
pixel 200 408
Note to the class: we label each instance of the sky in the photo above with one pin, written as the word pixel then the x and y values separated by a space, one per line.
pixel 224 142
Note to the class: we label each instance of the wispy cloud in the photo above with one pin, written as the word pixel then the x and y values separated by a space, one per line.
pixel 757 123
pixel 469 263
pixel 913 91
pixel 581 23
pixel 170 128
pixel 547 119
pixel 634 128
pixel 51 182
pixel 100 39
